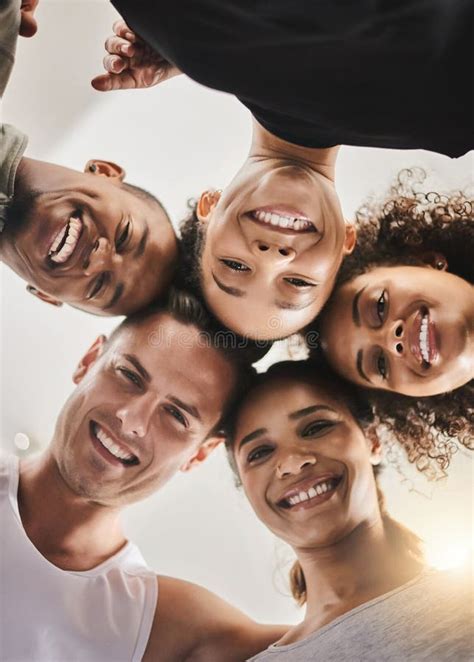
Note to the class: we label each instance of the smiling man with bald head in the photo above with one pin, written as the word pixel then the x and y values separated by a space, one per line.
pixel 84 238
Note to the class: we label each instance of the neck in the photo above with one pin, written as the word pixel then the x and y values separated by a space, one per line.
pixel 69 530
pixel 267 146
pixel 352 571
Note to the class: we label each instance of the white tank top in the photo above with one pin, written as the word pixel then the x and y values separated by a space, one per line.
pixel 53 615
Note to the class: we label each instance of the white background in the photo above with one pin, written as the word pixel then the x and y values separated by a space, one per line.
pixel 176 140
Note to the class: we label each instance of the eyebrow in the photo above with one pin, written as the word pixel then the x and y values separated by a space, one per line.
pixel 360 370
pixel 140 249
pixel 355 307
pixel 116 296
pixel 250 437
pixel 233 291
pixel 301 413
pixel 191 409
pixel 293 416
pixel 286 305
pixel 283 305
pixel 135 362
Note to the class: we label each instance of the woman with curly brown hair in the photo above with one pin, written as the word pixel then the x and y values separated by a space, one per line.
pixel 306 447
pixel 401 317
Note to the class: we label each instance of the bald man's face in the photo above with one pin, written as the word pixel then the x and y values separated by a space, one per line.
pixel 89 241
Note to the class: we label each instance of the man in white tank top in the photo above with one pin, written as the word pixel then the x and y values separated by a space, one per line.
pixel 148 403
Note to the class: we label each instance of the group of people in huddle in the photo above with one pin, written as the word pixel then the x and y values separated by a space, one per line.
pixel 384 304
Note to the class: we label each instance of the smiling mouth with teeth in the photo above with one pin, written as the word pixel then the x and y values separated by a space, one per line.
pixel 283 221
pixel 423 340
pixel 118 452
pixel 65 241
pixel 322 488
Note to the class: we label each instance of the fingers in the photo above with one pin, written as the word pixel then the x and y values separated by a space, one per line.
pixel 118 46
pixel 102 83
pixel 108 82
pixel 114 64
pixel 122 30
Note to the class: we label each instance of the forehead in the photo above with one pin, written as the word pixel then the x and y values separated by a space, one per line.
pixel 281 396
pixel 176 354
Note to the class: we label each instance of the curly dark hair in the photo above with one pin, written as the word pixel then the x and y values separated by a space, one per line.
pixel 409 224
pixel 403 230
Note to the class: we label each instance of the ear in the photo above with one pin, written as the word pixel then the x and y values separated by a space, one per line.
pixel 435 260
pixel 89 358
pixel 350 239
pixel 375 447
pixel 43 296
pixel 206 205
pixel 204 450
pixel 28 25
pixel 105 169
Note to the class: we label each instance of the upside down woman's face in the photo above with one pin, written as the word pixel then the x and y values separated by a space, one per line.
pixel 403 329
pixel 275 239
pixel 305 464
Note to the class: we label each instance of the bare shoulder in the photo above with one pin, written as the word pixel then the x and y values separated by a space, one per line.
pixel 194 624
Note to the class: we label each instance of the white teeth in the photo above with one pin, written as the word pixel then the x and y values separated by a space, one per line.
pixel 278 220
pixel 66 240
pixel 111 446
pixel 317 490
pixel 424 339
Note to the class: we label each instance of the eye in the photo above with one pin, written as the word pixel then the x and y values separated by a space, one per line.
pixel 259 453
pixel 234 265
pixel 130 376
pixel 123 237
pixel 381 306
pixel 176 413
pixel 98 285
pixel 382 368
pixel 299 282
pixel 317 427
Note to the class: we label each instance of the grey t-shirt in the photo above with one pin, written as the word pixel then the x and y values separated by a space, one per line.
pixel 12 146
pixel 430 619
pixel 9 27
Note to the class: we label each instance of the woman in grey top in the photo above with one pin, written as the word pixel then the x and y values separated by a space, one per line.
pixel 306 450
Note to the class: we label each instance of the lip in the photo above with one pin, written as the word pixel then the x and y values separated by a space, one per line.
pixel 281 210
pixel 414 339
pixel 109 457
pixel 305 485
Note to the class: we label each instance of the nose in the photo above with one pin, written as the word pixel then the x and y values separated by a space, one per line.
pixel 395 340
pixel 275 252
pixel 293 463
pixel 135 415
pixel 100 258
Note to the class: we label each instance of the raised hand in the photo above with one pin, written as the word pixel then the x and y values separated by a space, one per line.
pixel 130 63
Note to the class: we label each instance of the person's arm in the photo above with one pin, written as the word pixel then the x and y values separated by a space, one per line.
pixel 194 625
pixel 131 63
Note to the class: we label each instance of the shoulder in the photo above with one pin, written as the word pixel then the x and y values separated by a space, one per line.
pixel 192 623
